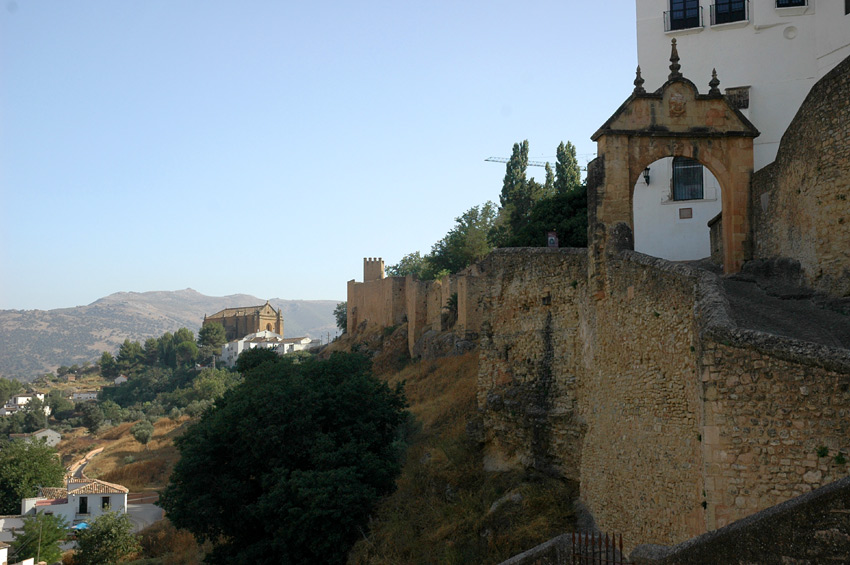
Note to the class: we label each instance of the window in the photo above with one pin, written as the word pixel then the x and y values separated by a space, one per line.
pixel 687 179
pixel 846 7
pixel 791 3
pixel 726 11
pixel 104 503
pixel 683 14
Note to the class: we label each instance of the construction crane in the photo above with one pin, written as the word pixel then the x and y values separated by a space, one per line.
pixel 504 160
pixel 530 163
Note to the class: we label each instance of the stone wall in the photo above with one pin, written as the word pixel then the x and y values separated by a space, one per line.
pixel 813 528
pixel 801 202
pixel 395 300
pixel 382 301
pixel 641 471
pixel 531 348
pixel 776 420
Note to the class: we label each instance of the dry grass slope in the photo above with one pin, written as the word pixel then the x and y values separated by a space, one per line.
pixel 446 508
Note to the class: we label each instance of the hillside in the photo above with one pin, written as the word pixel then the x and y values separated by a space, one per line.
pixel 447 508
pixel 34 342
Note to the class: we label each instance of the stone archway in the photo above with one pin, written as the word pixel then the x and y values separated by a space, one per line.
pixel 674 121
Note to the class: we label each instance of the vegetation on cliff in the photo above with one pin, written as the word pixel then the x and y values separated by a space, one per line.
pixel 302 448
pixel 446 507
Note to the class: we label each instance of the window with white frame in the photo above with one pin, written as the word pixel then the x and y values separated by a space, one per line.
pixel 687 179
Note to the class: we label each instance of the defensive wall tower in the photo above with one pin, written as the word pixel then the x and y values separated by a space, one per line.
pixel 373 269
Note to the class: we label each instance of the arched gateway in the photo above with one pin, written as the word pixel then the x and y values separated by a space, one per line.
pixel 674 121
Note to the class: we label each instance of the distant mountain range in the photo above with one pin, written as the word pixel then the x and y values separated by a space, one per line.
pixel 34 342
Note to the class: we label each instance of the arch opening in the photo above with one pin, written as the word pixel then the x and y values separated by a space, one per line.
pixel 674 199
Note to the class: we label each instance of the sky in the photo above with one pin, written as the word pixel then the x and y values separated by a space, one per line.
pixel 267 147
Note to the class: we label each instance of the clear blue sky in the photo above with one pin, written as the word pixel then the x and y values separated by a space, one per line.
pixel 266 147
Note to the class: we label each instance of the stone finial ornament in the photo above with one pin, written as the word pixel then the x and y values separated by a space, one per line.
pixel 674 63
pixel 639 89
pixel 713 84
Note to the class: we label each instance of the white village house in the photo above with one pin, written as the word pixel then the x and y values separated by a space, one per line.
pixel 80 500
pixel 50 437
pixel 84 396
pixel 19 401
pixel 264 339
pixel 768 54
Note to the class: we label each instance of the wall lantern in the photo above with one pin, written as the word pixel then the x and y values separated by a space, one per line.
pixel 646 176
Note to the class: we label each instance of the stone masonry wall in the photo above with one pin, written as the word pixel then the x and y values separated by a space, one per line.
pixel 531 358
pixel 801 202
pixel 766 418
pixel 382 301
pixel 641 468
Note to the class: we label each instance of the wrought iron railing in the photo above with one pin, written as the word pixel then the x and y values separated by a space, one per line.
pixel 728 11
pixel 597 549
pixel 683 18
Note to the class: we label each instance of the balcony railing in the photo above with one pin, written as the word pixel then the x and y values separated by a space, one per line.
pixel 684 18
pixel 724 12
pixel 791 3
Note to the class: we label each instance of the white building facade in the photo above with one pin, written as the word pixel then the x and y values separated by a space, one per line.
pixel 81 500
pixel 265 339
pixel 18 401
pixel 768 54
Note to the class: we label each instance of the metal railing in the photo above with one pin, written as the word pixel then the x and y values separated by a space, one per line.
pixel 683 18
pixel 728 11
pixel 596 549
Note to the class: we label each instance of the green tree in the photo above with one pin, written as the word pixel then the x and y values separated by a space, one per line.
pixel 318 437
pixel 167 350
pixel 514 184
pixel 150 352
pixel 254 358
pixel 466 243
pixel 60 407
pixel 108 539
pixel 108 368
pixel 341 316
pixel 211 384
pixel 40 538
pixel 410 264
pixel 187 353
pixel 25 466
pixel 9 388
pixel 210 339
pixel 183 334
pixel 549 185
pixel 92 416
pixel 142 432
pixel 567 172
pixel 566 213
pixel 129 357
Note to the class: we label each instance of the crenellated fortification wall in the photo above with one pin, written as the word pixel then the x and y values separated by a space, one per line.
pixel 424 305
pixel 382 301
pixel 801 202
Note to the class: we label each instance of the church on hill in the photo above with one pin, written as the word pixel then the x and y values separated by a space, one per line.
pixel 239 322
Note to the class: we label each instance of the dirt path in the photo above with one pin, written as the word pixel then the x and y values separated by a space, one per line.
pixel 76 470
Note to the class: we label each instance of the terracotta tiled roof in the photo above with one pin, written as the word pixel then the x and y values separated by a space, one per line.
pixel 93 486
pixel 294 339
pixel 51 501
pixel 241 311
pixel 53 492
